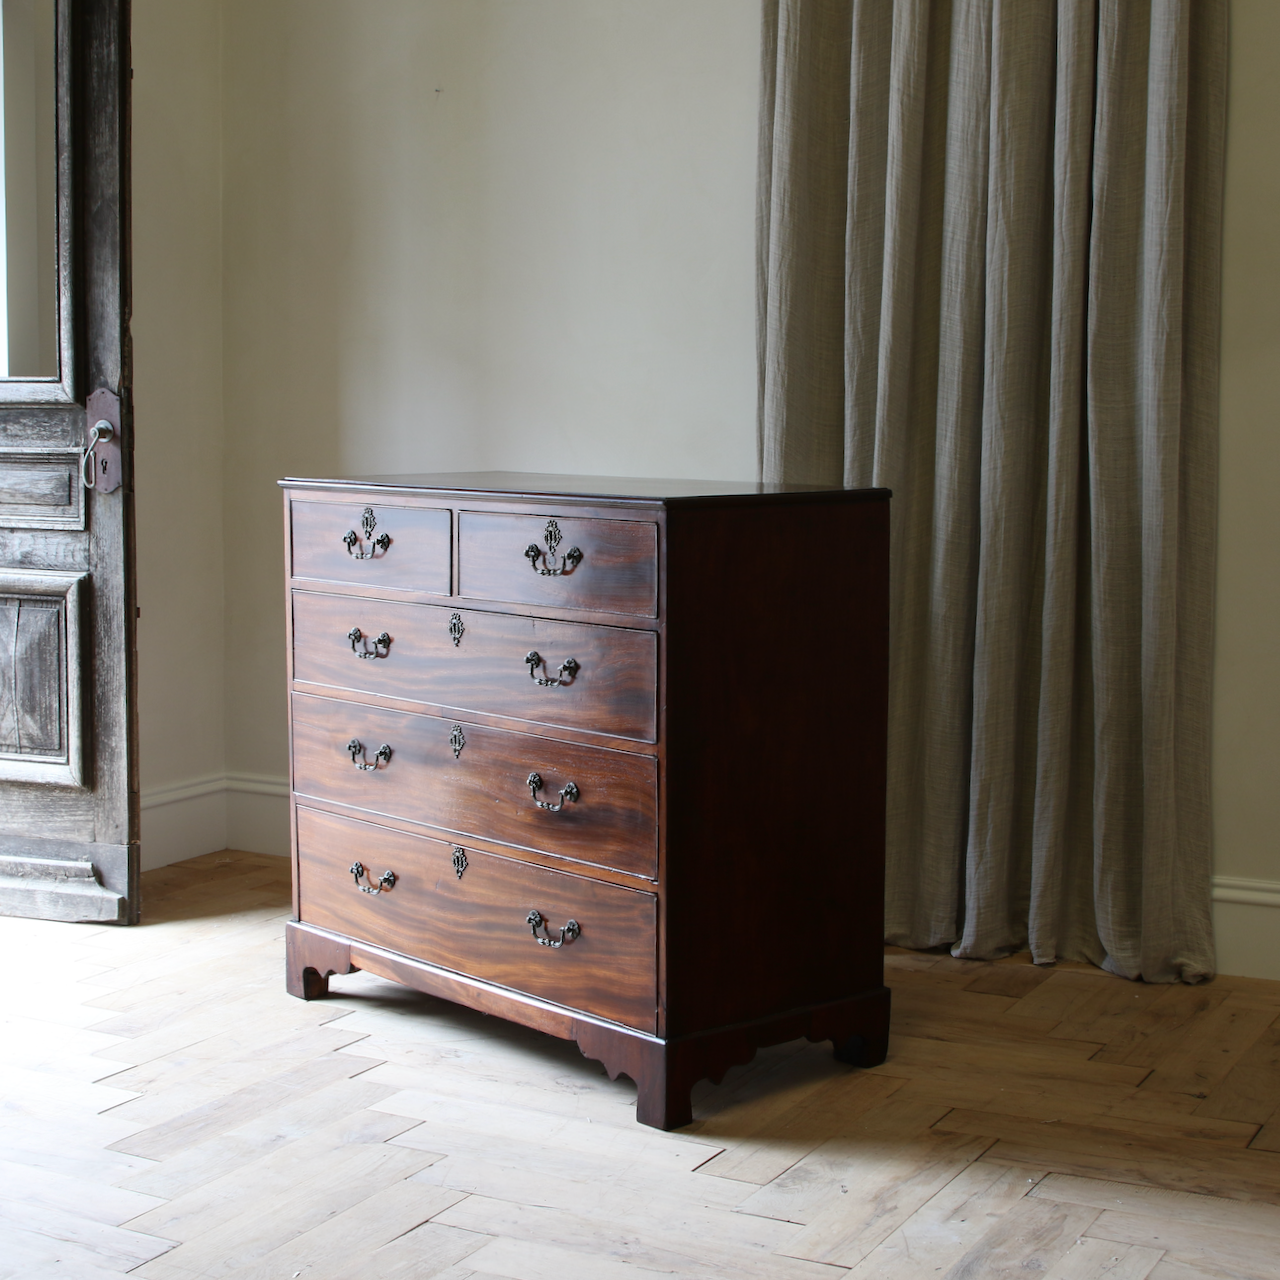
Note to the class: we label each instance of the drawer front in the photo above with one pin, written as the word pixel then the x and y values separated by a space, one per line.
pixel 598 678
pixel 472 780
pixel 407 548
pixel 477 923
pixel 610 566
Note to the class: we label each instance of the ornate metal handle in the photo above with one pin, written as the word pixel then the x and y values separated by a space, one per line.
pixel 101 432
pixel 535 784
pixel 552 536
pixel 384 882
pixel 356 748
pixel 569 668
pixel 368 522
pixel 381 644
pixel 567 934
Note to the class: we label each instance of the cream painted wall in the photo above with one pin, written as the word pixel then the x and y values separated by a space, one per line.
pixel 177 333
pixel 1246 765
pixel 475 233
pixel 518 233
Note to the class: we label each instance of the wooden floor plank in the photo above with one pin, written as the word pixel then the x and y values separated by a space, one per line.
pixel 344 1243
pixel 430 1250
pixel 1090 1259
pixel 896 1139
pixel 239 1221
pixel 517 1260
pixel 1017 1103
pixel 231 1110
pixel 1102 1107
pixel 1248 1091
pixel 1159 1202
pixel 1160 1027
pixel 703 1243
pixel 1211 1046
pixel 943 1230
pixel 290 1120
pixel 763 1138
pixel 631 1143
pixel 872 1196
pixel 95 1202
pixel 1106 1015
pixel 1033 1237
pixel 1064 991
pixel 1202 1168
pixel 914 1056
pixel 31 1255
pixel 115 1248
pixel 1014 981
pixel 1225 1250
pixel 529 1172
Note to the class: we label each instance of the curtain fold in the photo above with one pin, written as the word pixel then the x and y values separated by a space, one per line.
pixel 988 278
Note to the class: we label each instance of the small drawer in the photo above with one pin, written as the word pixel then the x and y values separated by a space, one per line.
pixel 406 548
pixel 609 566
pixel 471 780
pixel 554 673
pixel 470 911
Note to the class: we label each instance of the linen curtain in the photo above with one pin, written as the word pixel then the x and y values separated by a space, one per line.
pixel 988 279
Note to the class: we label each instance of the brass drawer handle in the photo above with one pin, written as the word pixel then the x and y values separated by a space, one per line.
pixel 552 536
pixel 535 784
pixel 384 882
pixel 368 522
pixel 356 748
pixel 381 644
pixel 569 668
pixel 567 934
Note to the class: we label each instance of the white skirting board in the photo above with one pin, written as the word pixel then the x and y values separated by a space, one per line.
pixel 1246 923
pixel 251 812
pixel 220 811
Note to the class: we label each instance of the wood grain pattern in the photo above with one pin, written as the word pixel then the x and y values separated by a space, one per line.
pixel 416 559
pixel 41 491
pixel 613 690
pixel 32 675
pixel 618 572
pixel 476 923
pixel 483 791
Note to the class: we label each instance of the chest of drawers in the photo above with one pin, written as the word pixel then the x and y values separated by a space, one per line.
pixel 603 757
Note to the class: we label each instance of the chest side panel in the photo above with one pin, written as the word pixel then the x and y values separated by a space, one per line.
pixel 775 694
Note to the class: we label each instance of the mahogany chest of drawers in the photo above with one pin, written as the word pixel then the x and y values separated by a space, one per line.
pixel 603 757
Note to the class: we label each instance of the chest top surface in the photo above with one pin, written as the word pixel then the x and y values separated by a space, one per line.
pixel 525 484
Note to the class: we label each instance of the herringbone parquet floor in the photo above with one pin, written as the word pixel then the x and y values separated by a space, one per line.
pixel 169 1111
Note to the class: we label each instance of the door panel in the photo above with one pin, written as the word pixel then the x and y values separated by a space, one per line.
pixel 68 770
pixel 41 735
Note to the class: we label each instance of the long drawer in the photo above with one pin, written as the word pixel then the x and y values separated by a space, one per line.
pixel 405 548
pixel 610 566
pixel 470 911
pixel 593 677
pixel 476 781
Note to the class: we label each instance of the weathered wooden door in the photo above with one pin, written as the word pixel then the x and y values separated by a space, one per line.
pixel 68 771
